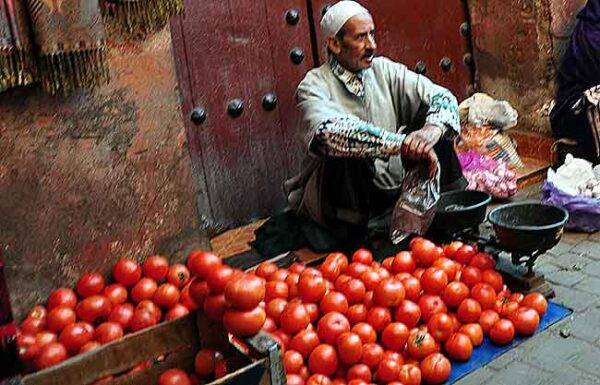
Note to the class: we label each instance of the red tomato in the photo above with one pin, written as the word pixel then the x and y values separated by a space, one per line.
pixel 408 313
pixel 218 278
pixel 363 256
pixel 89 346
pixel 116 293
pixel 318 379
pixel 313 311
pixel 487 319
pixel 90 284
pixel 474 331
pixel 440 326
pixel 470 276
pixel 292 362
pixel 141 319
pixel 359 372
pixel 275 307
pixel 379 317
pixel 425 252
pixel 38 311
pixel 186 299
pixel 276 289
pixel 371 279
pixel 304 342
pixel 270 325
pixel 468 311
pixel 502 332
pixel 33 325
pixel 387 371
pixel 74 336
pixel 330 326
pixel 459 347
pixel 311 288
pixel 201 263
pixel 535 301
pixel 166 296
pixel 244 323
pixel 127 272
pixel 372 354
pixel 389 293
pixel 151 307
pixel 420 345
pixel 292 281
pixel 144 289
pixel 435 368
pixel 357 313
pixel 174 377
pixel 294 318
pixel 199 291
pixel 28 348
pixel 412 288
pixel 387 263
pixel 59 317
pixel 121 314
pixel 297 268
pixel 204 363
pixel 294 379
pixel 403 262
pixel 62 297
pixel 368 300
pixel 430 305
pixel 334 302
pixel 349 346
pixel 178 275
pixel 214 306
pixel 455 293
pixel 355 269
pixel 451 249
pixel 409 374
pixel 155 267
pixel 434 280
pixel 44 338
pixel 418 273
pixel 333 266
pixel 504 307
pixel 465 254
pixel 50 355
pixel 341 281
pixel 394 336
pixel 493 278
pixel 246 292
pixel 279 275
pixel 266 269
pixel 323 360
pixel 525 320
pixel 176 311
pixel 449 266
pixel 107 332
pixel 365 331
pixel 483 261
pixel 354 290
pixel 484 294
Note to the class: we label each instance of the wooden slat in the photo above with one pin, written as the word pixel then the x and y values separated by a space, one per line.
pixel 121 355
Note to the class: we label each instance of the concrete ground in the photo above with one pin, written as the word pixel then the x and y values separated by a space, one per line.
pixel 569 351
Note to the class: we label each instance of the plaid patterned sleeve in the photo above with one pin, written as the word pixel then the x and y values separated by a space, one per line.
pixel 354 138
pixel 443 112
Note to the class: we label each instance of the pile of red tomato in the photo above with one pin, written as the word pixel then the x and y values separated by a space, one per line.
pixel 359 322
pixel 97 312
pixel 351 322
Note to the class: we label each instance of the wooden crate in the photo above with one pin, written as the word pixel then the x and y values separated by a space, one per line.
pixel 171 344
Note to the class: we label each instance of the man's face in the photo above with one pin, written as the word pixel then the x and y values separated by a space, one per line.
pixel 356 49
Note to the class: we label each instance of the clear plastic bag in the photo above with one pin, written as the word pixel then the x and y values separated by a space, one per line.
pixel 415 208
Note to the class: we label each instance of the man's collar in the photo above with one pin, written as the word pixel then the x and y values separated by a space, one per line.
pixel 352 80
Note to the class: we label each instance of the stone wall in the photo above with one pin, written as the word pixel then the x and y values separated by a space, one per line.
pixel 517 46
pixel 89 178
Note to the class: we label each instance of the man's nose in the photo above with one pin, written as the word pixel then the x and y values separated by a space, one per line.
pixel 371 42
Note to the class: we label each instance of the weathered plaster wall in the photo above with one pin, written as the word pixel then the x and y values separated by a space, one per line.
pixel 517 46
pixel 95 176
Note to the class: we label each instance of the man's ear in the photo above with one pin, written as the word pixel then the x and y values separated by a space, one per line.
pixel 334 45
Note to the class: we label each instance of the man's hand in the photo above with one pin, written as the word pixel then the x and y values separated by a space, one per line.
pixel 418 143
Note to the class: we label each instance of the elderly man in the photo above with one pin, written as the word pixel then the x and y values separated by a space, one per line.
pixel 364 119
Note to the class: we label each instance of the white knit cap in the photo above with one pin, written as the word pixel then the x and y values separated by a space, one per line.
pixel 338 14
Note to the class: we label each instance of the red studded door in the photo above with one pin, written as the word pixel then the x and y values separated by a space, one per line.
pixel 238 64
pixel 429 36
